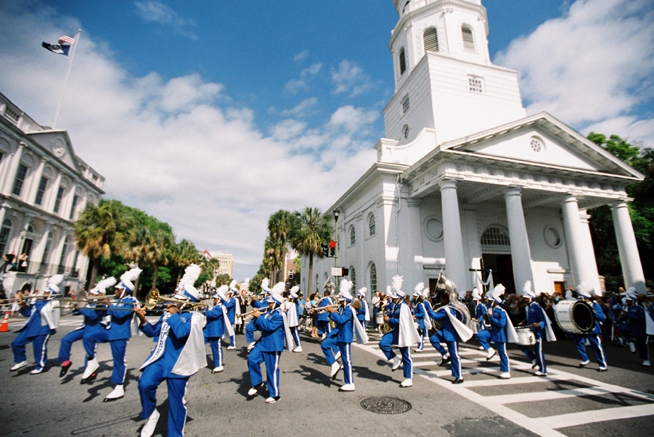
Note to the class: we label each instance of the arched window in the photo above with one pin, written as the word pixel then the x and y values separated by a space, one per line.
pixel 353 236
pixel 19 180
pixel 372 229
pixel 5 232
pixel 353 278
pixel 495 236
pixel 468 40
pixel 430 39
pixel 373 278
pixel 402 61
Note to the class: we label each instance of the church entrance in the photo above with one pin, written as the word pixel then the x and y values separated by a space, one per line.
pixel 502 268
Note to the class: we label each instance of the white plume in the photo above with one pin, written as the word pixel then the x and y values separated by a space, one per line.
pixel 396 283
pixel 345 286
pixel 101 286
pixel 131 275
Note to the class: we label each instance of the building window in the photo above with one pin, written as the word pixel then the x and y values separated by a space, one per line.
pixel 552 237
pixel 468 40
pixel 430 40
pixel 47 249
pixel 2 155
pixel 5 232
pixel 475 84
pixel 43 184
pixel 353 236
pixel 405 104
pixel 21 174
pixel 536 144
pixel 73 206
pixel 495 236
pixel 62 259
pixel 371 225
pixel 402 61
pixel 405 131
pixel 60 195
pixel 434 229
pixel 353 278
pixel 373 278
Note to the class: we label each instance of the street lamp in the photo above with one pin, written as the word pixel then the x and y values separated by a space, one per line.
pixel 336 213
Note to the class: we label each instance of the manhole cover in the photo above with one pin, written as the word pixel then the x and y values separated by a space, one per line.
pixel 386 405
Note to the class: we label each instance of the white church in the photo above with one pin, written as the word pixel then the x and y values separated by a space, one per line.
pixel 465 182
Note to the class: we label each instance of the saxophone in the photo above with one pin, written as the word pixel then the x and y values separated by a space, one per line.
pixel 385 328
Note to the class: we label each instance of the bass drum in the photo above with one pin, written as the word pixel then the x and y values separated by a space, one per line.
pixel 575 316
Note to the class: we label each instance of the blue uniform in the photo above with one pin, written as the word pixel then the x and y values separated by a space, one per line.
pixel 345 332
pixel 35 332
pixel 447 334
pixel 536 314
pixel 483 334
pixel 230 306
pixel 420 312
pixel 214 331
pixel 172 332
pixel 250 328
pixel 498 319
pixel 392 338
pixel 268 350
pixel 361 313
pixel 594 337
pixel 93 320
pixel 117 335
pixel 637 329
pixel 323 318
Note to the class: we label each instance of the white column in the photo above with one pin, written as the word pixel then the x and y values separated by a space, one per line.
pixel 36 181
pixel 411 234
pixel 452 238
pixel 520 252
pixel 574 240
pixel 8 183
pixel 632 269
pixel 589 255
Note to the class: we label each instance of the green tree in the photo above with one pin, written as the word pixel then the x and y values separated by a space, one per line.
pixel 280 228
pixel 313 229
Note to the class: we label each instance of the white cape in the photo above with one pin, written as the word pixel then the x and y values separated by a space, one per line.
pixel 50 313
pixel 193 356
pixel 427 319
pixel 408 334
pixel 359 332
pixel 464 332
pixel 291 313
pixel 511 334
pixel 287 331
pixel 549 332
pixel 649 323
pixel 228 326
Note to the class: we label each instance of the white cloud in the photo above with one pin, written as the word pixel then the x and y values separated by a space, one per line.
pixel 303 108
pixel 306 75
pixel 350 79
pixel 301 56
pixel 591 67
pixel 176 148
pixel 156 12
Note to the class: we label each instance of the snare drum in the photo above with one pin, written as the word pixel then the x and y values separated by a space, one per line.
pixel 525 336
pixel 575 316
pixel 475 326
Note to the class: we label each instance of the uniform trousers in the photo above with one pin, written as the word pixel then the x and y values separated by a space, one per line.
pixel 596 343
pixel 271 360
pixel 118 348
pixel 483 337
pixel 216 351
pixel 67 344
pixel 39 345
pixel 537 354
pixel 295 332
pixel 386 343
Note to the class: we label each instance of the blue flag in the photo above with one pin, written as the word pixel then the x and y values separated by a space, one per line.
pixel 63 46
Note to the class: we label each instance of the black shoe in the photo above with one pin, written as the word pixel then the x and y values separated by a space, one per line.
pixel 90 378
pixel 64 369
pixel 458 381
pixel 444 361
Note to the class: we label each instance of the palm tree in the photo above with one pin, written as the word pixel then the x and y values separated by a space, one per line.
pixel 150 247
pixel 280 227
pixel 181 255
pixel 272 258
pixel 313 229
pixel 102 230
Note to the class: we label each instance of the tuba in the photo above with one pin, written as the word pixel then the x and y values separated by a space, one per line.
pixel 444 285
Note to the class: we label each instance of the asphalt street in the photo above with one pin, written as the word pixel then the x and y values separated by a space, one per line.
pixel 570 401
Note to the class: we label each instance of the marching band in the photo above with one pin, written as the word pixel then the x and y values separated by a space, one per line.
pixel 188 324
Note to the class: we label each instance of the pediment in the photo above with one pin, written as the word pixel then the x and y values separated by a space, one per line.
pixel 58 144
pixel 542 140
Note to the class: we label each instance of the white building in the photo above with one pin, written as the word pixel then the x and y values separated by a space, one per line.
pixel 44 186
pixel 465 181
pixel 226 262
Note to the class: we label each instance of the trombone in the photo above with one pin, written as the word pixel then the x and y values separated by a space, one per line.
pixel 153 298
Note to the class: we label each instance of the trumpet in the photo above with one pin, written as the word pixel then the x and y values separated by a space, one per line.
pixel 335 305
pixel 153 298
pixel 260 310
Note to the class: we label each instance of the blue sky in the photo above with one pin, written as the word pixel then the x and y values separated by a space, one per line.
pixel 213 115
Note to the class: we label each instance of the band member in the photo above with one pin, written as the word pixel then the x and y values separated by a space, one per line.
pixel 452 331
pixel 293 319
pixel 363 313
pixel 43 321
pixel 217 325
pixel 594 336
pixel 274 329
pixel 403 333
pixel 242 307
pixel 483 327
pixel 541 326
pixel 177 356
pixel 501 330
pixel 637 325
pixel 118 335
pixel 229 301
pixel 258 302
pixel 323 317
pixel 420 311
pixel 94 319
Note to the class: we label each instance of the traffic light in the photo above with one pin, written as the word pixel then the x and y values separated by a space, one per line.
pixel 325 249
pixel 332 248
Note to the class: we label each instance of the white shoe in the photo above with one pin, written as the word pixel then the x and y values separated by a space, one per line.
pixel 505 375
pixel 36 371
pixel 632 347
pixel 231 348
pixel 336 367
pixel 252 391
pixel 150 425
pixel 406 383
pixel 347 387
pixel 337 355
pixel 396 362
pixel 481 348
pixel 324 336
pixel 217 369
pixel 646 363
pixel 584 363
pixel 534 364
pixel 91 367
pixel 539 373
pixel 491 353
pixel 251 346
pixel 18 366
pixel 271 400
pixel 418 351
pixel 298 349
pixel 117 393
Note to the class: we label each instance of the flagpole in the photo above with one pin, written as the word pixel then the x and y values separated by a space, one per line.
pixel 70 65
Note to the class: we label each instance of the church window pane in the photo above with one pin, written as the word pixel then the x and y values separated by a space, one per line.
pixel 4 235
pixel 405 104
pixel 373 278
pixel 353 236
pixel 495 236
pixel 536 144
pixel 43 184
pixel 353 278
pixel 60 196
pixel 371 225
pixel 468 41
pixel 430 40
pixel 475 84
pixel 402 61
pixel 21 174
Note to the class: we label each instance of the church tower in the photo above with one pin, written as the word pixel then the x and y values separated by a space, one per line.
pixel 445 84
